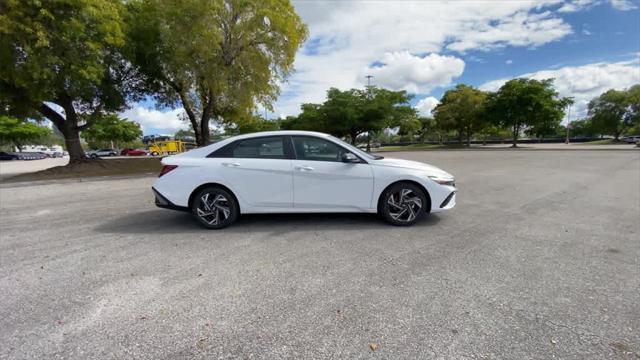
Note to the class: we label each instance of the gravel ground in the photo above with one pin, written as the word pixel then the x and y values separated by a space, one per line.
pixel 540 259
pixel 17 167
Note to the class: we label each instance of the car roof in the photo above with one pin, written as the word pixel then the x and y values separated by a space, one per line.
pixel 278 132
pixel 204 151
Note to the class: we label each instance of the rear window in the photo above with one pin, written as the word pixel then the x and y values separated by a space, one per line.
pixel 272 147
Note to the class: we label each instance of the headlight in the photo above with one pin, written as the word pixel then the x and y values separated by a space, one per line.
pixel 443 181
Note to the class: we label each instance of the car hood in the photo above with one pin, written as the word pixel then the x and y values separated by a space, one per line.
pixel 414 165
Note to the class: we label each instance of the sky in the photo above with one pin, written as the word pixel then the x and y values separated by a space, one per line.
pixel 426 47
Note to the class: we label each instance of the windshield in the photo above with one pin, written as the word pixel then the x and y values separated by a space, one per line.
pixel 355 150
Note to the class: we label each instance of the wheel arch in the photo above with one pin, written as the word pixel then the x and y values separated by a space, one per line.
pixel 212 184
pixel 420 186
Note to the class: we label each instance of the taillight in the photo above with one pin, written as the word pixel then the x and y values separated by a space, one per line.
pixel 166 169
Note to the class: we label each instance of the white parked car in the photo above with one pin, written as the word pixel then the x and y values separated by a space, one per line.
pixel 298 172
pixel 101 153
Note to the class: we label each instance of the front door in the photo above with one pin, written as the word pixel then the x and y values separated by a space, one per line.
pixel 322 181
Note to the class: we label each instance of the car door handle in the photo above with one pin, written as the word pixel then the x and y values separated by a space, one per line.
pixel 230 164
pixel 304 168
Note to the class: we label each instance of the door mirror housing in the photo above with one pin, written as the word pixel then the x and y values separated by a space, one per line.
pixel 350 158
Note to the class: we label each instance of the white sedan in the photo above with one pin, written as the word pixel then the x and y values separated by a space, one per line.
pixel 298 172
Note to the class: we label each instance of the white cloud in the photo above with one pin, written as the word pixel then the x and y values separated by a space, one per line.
pixel 404 71
pixel 577 5
pixel 346 37
pixel 425 106
pixel 509 62
pixel 519 29
pixel 623 5
pixel 162 121
pixel 585 82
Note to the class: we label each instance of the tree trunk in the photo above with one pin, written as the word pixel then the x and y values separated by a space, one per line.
pixel 468 138
pixel 72 143
pixel 353 137
pixel 515 136
pixel 368 142
pixel 68 127
pixel 205 134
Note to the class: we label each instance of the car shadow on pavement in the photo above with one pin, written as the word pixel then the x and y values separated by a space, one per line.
pixel 171 222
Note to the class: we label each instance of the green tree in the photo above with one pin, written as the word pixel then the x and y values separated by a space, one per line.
pixel 462 110
pixel 354 112
pixel 111 129
pixel 607 113
pixel 184 134
pixel 19 133
pixel 582 128
pixel 64 53
pixel 633 112
pixel 250 124
pixel 217 59
pixel 522 104
pixel 616 111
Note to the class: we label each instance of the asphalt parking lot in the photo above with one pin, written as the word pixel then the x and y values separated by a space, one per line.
pixel 540 259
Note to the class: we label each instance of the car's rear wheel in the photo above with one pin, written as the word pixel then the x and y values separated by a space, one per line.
pixel 215 208
pixel 403 204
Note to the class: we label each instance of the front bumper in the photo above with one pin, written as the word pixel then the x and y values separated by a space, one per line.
pixel 449 202
pixel 164 203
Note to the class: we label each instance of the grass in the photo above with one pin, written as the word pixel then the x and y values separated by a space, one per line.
pixel 94 168
pixel 414 147
pixel 603 142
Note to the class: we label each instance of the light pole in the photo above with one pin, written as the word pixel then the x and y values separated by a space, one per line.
pixel 369 95
pixel 566 141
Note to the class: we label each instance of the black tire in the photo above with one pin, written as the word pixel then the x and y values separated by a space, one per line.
pixel 406 207
pixel 155 153
pixel 94 156
pixel 225 200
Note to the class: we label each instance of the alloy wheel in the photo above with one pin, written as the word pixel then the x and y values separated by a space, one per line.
pixel 404 205
pixel 213 208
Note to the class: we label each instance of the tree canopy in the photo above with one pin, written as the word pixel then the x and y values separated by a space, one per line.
pixel 615 111
pixel 462 110
pixel 110 128
pixel 18 133
pixel 351 113
pixel 216 59
pixel 525 104
pixel 60 60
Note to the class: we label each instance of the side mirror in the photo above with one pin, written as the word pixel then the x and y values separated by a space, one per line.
pixel 350 158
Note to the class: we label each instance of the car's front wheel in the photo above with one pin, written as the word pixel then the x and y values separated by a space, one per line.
pixel 403 204
pixel 215 208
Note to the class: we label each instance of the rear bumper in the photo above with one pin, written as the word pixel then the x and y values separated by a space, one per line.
pixel 164 203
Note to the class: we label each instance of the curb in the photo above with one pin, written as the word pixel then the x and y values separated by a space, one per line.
pixel 6 183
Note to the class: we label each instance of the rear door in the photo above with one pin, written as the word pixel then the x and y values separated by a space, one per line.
pixel 259 170
pixel 322 181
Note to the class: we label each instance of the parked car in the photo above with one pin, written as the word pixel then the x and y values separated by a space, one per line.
pixel 8 156
pixel 29 155
pixel 631 139
pixel 133 152
pixel 102 152
pixel 294 172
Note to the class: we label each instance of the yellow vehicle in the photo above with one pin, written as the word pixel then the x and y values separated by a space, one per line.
pixel 169 147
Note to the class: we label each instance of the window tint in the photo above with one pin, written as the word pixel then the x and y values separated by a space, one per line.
pixel 316 149
pixel 266 147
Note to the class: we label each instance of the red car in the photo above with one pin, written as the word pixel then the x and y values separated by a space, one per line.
pixel 133 152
